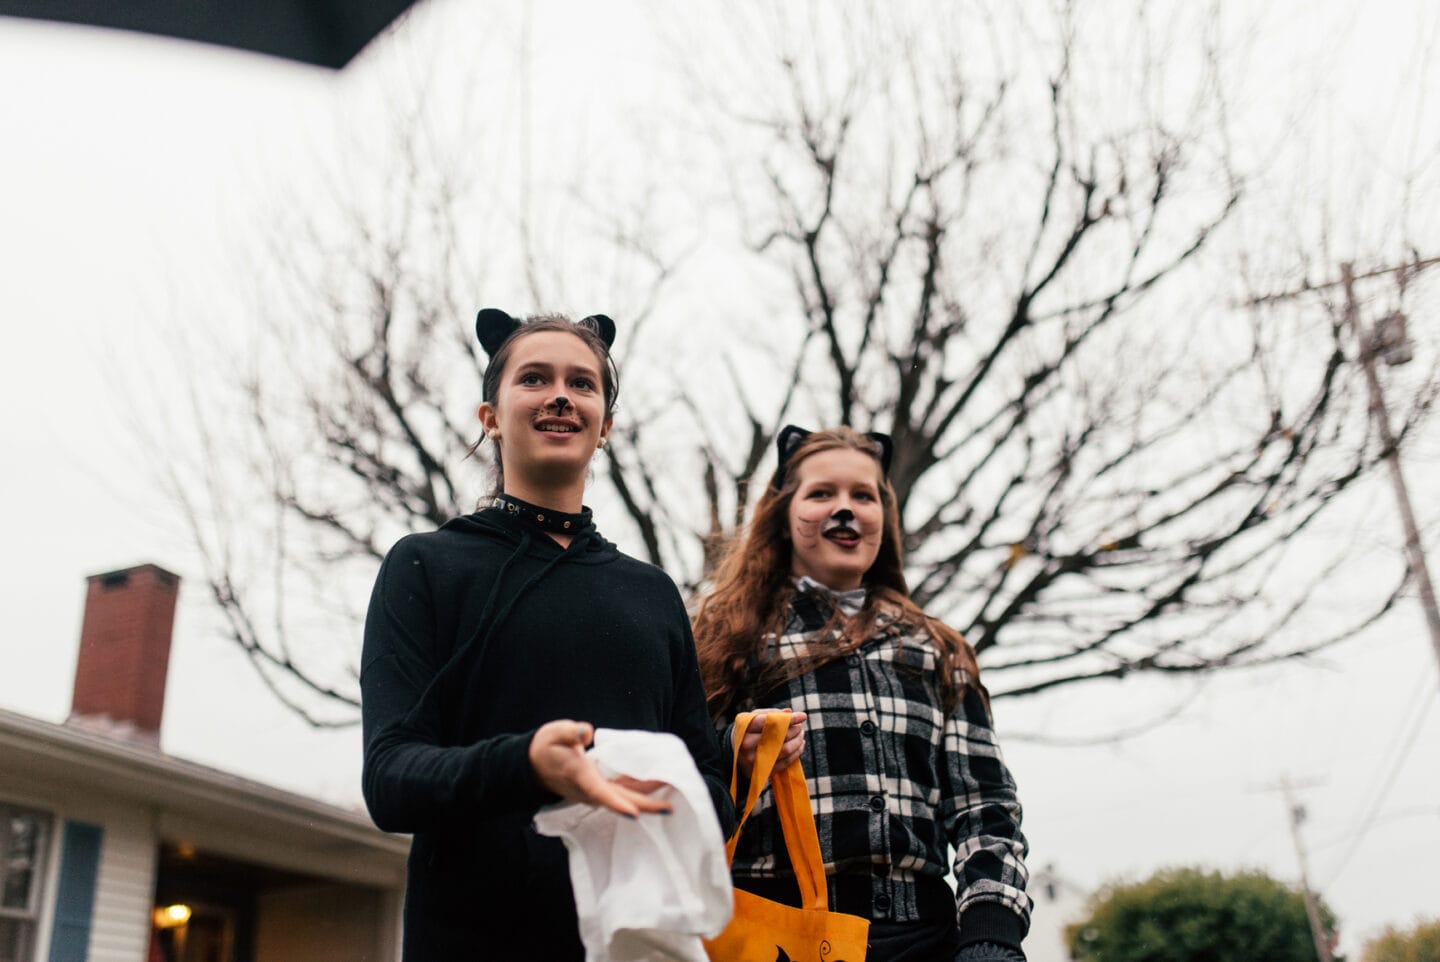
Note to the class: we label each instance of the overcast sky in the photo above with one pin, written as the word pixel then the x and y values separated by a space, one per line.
pixel 129 163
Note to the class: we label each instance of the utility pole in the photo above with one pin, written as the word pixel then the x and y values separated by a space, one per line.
pixel 1414 548
pixel 1368 344
pixel 1312 907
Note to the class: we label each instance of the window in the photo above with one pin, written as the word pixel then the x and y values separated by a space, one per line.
pixel 24 835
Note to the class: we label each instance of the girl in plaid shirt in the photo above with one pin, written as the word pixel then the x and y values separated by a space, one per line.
pixel 810 614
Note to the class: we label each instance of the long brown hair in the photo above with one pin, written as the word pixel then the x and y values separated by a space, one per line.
pixel 750 601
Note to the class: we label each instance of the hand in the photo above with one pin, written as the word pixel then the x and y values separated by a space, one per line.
pixel 750 739
pixel 557 754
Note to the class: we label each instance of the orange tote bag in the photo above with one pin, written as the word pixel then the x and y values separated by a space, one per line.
pixel 766 931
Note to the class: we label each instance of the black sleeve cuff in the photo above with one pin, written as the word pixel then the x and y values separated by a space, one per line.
pixel 725 812
pixel 505 781
pixel 991 922
pixel 726 739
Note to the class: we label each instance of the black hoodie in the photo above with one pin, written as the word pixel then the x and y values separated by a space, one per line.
pixel 478 634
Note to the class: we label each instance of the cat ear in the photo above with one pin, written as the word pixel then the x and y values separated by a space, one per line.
pixel 884 448
pixel 603 327
pixel 786 442
pixel 492 327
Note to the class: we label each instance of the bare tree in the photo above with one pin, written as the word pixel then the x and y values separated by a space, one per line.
pixel 990 264
pixel 348 417
pixel 992 243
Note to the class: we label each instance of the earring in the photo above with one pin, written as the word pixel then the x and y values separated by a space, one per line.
pixel 493 435
pixel 600 445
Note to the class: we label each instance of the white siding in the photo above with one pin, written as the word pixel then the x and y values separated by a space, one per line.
pixel 120 924
pixel 140 799
pixel 120 927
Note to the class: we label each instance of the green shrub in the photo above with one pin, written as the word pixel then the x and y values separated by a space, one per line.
pixel 1192 915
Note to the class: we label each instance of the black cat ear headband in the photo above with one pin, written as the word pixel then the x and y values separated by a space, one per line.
pixel 790 437
pixel 493 327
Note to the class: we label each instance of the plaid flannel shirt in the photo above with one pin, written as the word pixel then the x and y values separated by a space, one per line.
pixel 895 783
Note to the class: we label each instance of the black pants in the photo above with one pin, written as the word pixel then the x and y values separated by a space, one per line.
pixel 935 941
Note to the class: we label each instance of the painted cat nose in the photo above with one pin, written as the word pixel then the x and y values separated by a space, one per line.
pixel 561 403
pixel 844 514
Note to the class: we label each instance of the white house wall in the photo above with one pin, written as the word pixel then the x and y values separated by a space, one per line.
pixel 120 922
pixel 142 799
pixel 120 927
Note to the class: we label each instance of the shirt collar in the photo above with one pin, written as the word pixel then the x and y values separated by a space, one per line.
pixel 849 602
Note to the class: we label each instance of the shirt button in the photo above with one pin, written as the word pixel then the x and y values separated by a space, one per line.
pixel 877 803
pixel 868 727
pixel 882 903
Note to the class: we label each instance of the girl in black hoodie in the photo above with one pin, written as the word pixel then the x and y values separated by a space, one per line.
pixel 494 647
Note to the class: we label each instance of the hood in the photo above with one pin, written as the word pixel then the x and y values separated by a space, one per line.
pixel 515 536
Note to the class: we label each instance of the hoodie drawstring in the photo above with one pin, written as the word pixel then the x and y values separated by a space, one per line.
pixel 486 627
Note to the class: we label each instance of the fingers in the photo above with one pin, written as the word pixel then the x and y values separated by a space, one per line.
pixel 591 787
pixel 557 753
pixel 564 733
pixel 625 795
pixel 757 723
pixel 647 804
pixel 796 729
pixel 556 749
pixel 644 787
pixel 792 748
pixel 642 793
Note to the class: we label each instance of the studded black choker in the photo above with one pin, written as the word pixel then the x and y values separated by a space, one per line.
pixel 543 518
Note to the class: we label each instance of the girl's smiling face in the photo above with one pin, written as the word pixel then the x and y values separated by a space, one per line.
pixel 836 517
pixel 549 410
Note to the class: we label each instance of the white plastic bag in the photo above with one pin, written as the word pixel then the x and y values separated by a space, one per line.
pixel 646 889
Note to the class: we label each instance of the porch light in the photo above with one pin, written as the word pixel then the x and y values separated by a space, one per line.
pixel 171 916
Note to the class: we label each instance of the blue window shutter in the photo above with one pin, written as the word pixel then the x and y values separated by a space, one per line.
pixel 75 898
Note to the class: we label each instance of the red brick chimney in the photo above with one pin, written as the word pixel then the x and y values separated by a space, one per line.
pixel 125 652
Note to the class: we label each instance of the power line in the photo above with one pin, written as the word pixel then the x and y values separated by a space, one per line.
pixel 1414 707
pixel 1414 266
pixel 1414 811
pixel 1369 820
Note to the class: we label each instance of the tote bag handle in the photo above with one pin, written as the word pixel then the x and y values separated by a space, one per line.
pixel 792 805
